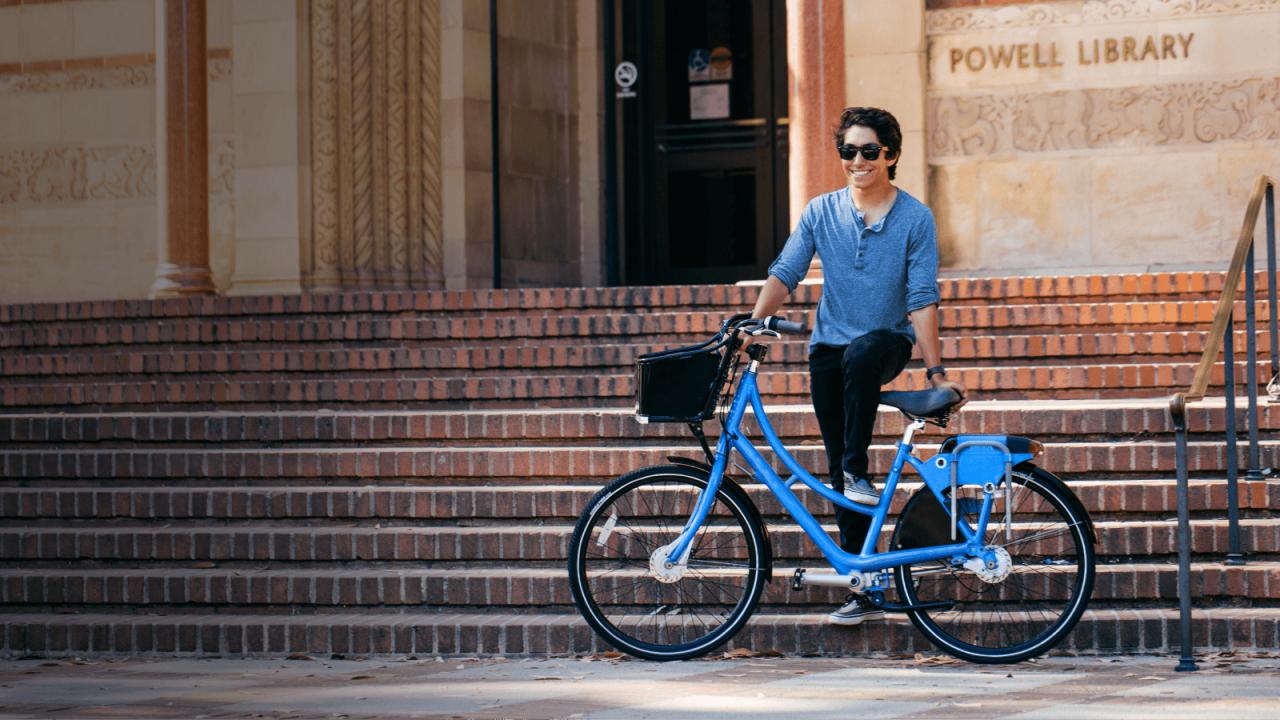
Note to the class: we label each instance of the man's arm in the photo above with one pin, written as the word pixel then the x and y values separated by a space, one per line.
pixel 772 297
pixel 925 322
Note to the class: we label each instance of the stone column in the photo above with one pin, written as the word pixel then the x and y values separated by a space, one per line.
pixel 816 95
pixel 183 140
pixel 886 67
pixel 375 124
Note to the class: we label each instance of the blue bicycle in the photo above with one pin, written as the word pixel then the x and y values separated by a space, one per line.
pixel 992 557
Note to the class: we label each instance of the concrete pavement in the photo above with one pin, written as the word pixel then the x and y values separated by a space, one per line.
pixel 795 688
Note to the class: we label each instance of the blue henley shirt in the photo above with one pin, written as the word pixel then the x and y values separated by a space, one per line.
pixel 872 276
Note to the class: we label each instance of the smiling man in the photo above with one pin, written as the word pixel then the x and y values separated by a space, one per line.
pixel 879 254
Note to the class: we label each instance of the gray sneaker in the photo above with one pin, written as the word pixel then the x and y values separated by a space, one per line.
pixel 854 611
pixel 860 490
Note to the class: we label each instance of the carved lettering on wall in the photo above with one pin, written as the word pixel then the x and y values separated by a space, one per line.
pixel 1124 49
pixel 1157 115
pixel 375 195
pixel 1076 13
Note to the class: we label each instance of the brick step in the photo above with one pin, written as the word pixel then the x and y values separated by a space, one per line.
pixel 1058 348
pixel 574 390
pixel 1047 421
pixel 1105 631
pixel 1103 498
pixel 503 543
pixel 520 589
pixel 493 463
pixel 1206 284
pixel 569 324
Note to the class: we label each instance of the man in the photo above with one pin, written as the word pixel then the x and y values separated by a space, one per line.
pixel 879 254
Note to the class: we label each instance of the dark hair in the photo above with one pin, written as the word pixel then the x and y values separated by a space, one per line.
pixel 882 122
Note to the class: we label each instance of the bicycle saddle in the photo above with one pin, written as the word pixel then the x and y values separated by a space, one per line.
pixel 933 404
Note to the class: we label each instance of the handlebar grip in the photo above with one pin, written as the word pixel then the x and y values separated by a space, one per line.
pixel 788 327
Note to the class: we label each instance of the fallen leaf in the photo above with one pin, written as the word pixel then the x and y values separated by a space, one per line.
pixel 740 653
pixel 547 677
pixel 299 656
pixel 1151 677
pixel 361 677
pixel 922 659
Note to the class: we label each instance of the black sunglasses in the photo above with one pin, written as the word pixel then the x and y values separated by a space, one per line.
pixel 871 152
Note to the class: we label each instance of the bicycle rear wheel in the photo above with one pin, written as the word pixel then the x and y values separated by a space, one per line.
pixel 618 573
pixel 1031 600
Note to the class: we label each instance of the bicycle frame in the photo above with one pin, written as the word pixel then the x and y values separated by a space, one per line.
pixel 843 562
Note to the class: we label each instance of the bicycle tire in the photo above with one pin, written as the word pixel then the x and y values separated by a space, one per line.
pixel 1030 610
pixel 619 594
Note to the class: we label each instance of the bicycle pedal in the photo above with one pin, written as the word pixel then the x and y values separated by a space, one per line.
pixel 797 580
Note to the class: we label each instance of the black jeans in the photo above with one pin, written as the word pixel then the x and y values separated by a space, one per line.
pixel 845 385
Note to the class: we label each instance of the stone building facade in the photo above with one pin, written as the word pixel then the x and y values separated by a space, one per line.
pixel 350 143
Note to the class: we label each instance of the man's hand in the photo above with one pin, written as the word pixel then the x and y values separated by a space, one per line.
pixel 941 381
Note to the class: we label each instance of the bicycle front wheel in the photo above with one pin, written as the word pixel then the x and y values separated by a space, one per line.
pixel 644 605
pixel 1035 593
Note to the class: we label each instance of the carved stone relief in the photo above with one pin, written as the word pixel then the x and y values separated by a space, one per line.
pixel 64 174
pixel 1157 115
pixel 375 145
pixel 222 166
pixel 1077 12
pixel 1008 16
pixel 126 76
pixel 89 79
pixel 219 69
pixel 104 172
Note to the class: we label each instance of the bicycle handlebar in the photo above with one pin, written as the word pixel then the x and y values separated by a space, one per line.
pixel 788 327
pixel 772 323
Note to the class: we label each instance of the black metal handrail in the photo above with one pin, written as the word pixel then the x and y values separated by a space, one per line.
pixel 1222 337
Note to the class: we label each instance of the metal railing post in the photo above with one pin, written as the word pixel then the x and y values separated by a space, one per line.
pixel 1251 369
pixel 1222 331
pixel 1178 413
pixel 1271 284
pixel 1234 554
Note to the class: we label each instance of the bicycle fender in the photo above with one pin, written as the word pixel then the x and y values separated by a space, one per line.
pixel 978 465
pixel 690 463
pixel 1064 491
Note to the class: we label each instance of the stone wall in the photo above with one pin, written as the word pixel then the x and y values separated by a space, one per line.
pixel 77 149
pixel 1099 133
pixel 547 69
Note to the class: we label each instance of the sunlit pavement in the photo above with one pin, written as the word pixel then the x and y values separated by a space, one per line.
pixel 1126 688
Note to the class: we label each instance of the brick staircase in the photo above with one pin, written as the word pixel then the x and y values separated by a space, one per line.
pixel 400 473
